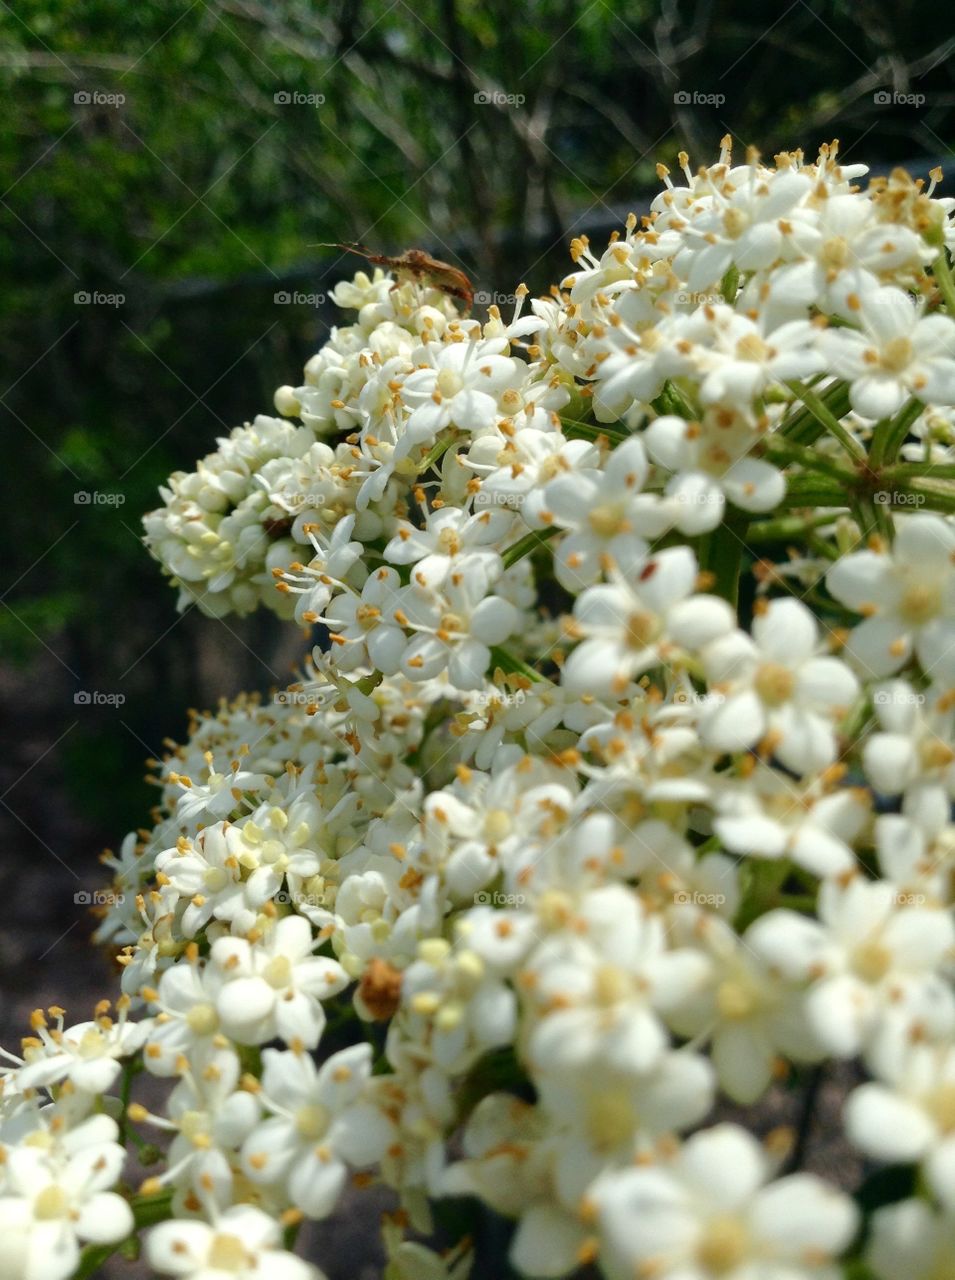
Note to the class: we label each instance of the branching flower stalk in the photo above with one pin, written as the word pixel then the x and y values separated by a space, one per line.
pixel 617 785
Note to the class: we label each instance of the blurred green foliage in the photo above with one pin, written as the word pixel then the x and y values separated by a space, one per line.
pixel 146 151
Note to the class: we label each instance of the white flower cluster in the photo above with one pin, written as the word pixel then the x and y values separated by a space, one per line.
pixel 618 785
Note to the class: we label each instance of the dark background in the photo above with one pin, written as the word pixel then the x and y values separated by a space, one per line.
pixel 145 154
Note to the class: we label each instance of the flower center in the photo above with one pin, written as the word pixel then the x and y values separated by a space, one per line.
pixel 202 1019
pixel 497 825
pixel 278 972
pixel 752 347
pixel 608 520
pixel 723 1246
pixel 611 1118
pixel 449 382
pixel 52 1202
pixel 642 630
pixel 735 999
pixel 228 1253
pixel 92 1043
pixel 921 602
pixel 194 1125
pixel 774 683
pixel 835 252
pixel 871 960
pixel 312 1121
pixel 897 355
pixel 611 985
pixel 215 879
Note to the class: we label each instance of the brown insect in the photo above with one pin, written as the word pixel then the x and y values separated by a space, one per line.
pixel 417 265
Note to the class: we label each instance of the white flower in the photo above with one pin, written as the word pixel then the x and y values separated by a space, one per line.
pixel 275 986
pixel 899 352
pixel 639 621
pixel 462 386
pixel 55 1198
pixel 318 1123
pixel 606 513
pixel 907 596
pixel 750 1012
pixel 777 689
pixel 88 1054
pixel 908 1115
pixel 713 1213
pixel 711 461
pixel 868 957
pixel 457 624
pixel 600 986
pixel 244 1243
pixel 206 871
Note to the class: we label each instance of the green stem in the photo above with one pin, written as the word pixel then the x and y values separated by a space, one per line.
pixel 826 418
pixel 943 278
pixel 529 543
pixel 803 427
pixel 888 437
pixel 917 470
pixel 779 450
pixel 511 665
pixel 721 554
pixel 592 431
pixel 785 528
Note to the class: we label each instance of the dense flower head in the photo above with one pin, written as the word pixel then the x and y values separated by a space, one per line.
pixel 617 787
